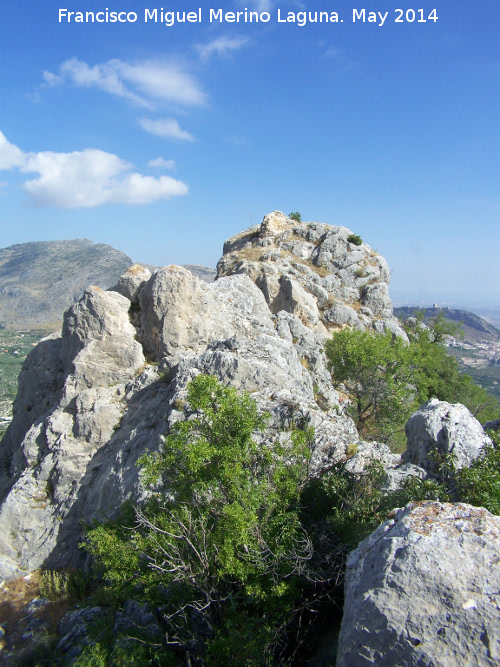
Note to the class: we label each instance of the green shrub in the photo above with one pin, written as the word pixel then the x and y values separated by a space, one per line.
pixel 480 484
pixel 355 239
pixel 387 379
pixel 220 546
pixel 295 216
pixel 72 585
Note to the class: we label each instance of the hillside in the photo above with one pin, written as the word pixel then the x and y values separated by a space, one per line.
pixel 474 328
pixel 476 348
pixel 39 280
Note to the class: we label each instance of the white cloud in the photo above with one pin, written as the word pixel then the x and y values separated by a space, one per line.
pixel 221 46
pixel 161 163
pixel 142 83
pixel 167 128
pixel 10 156
pixel 83 179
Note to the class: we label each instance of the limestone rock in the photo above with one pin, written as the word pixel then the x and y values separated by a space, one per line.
pixel 180 312
pixel 132 280
pixel 314 271
pixel 110 386
pixel 493 425
pixel 438 427
pixel 424 589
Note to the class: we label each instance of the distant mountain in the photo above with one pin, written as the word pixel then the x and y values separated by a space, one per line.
pixel 475 328
pixel 39 280
pixel 205 273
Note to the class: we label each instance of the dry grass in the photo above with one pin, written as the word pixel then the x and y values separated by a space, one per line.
pixel 15 619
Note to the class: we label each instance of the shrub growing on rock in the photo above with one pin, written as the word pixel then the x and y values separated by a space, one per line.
pixel 220 549
pixel 355 239
pixel 388 379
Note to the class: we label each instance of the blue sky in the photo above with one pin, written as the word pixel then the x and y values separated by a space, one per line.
pixel 164 141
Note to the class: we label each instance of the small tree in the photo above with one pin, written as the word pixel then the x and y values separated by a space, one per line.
pixel 376 371
pixel 295 216
pixel 387 379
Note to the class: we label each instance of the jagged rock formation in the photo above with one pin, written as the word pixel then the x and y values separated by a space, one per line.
pixel 423 589
pixel 92 400
pixel 39 280
pixel 314 271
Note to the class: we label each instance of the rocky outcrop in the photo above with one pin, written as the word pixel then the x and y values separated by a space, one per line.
pixel 315 271
pixel 438 429
pixel 92 400
pixel 424 589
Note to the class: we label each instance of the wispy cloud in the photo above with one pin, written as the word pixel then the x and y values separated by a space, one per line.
pixel 84 179
pixel 145 83
pixel 339 58
pixel 166 128
pixel 258 5
pixel 161 163
pixel 222 46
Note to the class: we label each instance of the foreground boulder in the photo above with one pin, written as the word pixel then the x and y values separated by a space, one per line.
pixel 424 589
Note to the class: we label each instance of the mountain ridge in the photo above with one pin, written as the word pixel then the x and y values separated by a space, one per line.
pixel 474 327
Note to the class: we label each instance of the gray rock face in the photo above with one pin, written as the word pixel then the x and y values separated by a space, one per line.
pixel 442 428
pixel 109 387
pixel 424 589
pixel 312 270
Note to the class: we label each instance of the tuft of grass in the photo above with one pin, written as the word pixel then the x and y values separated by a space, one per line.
pixel 71 585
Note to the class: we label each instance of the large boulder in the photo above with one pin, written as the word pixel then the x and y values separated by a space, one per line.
pixel 437 429
pixel 424 589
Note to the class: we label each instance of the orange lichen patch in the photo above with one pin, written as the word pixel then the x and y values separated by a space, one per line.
pixel 96 289
pixel 136 269
pixel 428 517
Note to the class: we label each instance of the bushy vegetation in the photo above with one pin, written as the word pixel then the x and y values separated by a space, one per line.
pixel 386 379
pixel 222 546
pixel 355 239
pixel 240 550
pixel 295 216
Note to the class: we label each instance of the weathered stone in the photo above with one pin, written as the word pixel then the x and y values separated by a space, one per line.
pixel 342 315
pixel 104 405
pixel 376 298
pixel 314 268
pixel 438 428
pixel 424 589
pixel 74 629
pixel 132 280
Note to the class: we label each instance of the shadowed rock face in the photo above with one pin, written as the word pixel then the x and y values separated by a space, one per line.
pixel 424 589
